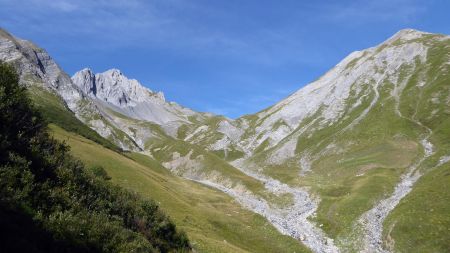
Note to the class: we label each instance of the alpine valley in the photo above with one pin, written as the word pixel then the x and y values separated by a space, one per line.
pixel 356 161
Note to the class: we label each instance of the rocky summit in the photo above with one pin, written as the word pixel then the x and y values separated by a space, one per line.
pixel 129 97
pixel 356 161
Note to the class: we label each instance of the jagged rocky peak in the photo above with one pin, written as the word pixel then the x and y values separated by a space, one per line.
pixel 128 97
pixel 114 87
pixel 85 79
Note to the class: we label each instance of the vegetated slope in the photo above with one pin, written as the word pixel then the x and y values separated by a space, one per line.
pixel 63 207
pixel 213 221
pixel 354 134
pixel 419 222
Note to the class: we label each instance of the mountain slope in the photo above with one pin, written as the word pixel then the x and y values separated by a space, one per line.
pixel 129 97
pixel 121 98
pixel 359 138
pixel 350 135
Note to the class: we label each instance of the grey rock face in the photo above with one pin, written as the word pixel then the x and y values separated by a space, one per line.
pixel 129 97
pixel 85 80
pixel 36 66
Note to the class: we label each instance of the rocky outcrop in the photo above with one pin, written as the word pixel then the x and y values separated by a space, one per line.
pixel 35 66
pixel 128 97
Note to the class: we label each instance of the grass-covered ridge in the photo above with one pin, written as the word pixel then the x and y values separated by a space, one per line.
pixel 62 206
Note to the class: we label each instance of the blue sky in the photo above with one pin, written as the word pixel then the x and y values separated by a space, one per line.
pixel 230 57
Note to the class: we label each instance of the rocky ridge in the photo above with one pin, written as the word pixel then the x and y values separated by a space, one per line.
pixel 129 97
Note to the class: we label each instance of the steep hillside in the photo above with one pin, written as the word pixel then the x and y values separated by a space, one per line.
pixel 361 136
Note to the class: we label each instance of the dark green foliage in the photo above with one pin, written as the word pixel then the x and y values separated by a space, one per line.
pixel 49 200
pixel 100 172
pixel 20 233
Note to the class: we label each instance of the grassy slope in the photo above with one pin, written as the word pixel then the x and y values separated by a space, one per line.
pixel 421 222
pixel 212 220
pixel 210 162
pixel 209 137
pixel 375 151
pixel 350 182
pixel 380 150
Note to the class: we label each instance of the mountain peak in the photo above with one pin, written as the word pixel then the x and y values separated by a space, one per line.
pixel 406 34
pixel 85 80
pixel 128 96
pixel 86 70
pixel 409 31
pixel 114 87
pixel 113 72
